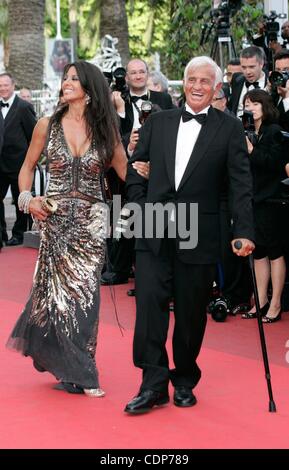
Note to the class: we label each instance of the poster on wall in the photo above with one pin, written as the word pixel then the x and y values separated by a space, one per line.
pixel 59 52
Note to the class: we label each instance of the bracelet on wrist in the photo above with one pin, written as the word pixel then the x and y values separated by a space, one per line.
pixel 24 201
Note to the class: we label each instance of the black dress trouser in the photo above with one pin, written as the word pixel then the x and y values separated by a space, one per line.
pixel 20 225
pixel 158 279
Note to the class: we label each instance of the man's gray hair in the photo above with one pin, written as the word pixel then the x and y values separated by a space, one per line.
pixel 158 78
pixel 201 61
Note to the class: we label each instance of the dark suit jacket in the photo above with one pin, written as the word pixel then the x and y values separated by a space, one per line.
pixel 220 149
pixel 237 86
pixel 284 116
pixel 16 130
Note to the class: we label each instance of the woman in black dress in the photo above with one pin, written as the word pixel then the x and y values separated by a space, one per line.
pixel 267 158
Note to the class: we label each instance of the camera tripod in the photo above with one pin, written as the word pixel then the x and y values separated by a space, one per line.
pixel 223 49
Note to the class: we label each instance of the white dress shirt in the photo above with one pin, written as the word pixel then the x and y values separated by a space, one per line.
pixel 136 123
pixel 6 109
pixel 187 136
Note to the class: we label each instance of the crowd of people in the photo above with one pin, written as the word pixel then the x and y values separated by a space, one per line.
pixel 96 144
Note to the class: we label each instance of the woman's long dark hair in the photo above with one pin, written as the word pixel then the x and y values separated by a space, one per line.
pixel 270 113
pixel 100 116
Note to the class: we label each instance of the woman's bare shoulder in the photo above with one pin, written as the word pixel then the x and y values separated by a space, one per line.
pixel 42 125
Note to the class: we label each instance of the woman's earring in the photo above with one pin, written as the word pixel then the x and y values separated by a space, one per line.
pixel 87 99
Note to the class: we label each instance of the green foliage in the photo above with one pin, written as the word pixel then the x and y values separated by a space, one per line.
pixel 50 19
pixel 148 22
pixel 187 21
pixel 88 24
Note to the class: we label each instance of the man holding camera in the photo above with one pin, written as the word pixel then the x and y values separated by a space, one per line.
pixel 279 79
pixel 129 104
pixel 129 109
pixel 252 62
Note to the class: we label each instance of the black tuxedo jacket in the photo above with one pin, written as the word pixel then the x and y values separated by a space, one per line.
pixel 283 116
pixel 220 151
pixel 16 132
pixel 237 86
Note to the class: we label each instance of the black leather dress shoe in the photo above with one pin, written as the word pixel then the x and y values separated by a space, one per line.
pixel 112 279
pixel 38 367
pixel 131 293
pixel 13 241
pixel 145 401
pixel 4 237
pixel 68 387
pixel 184 397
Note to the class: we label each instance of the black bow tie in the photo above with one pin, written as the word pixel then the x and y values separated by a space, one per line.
pixel 200 118
pixel 135 98
pixel 4 104
pixel 255 84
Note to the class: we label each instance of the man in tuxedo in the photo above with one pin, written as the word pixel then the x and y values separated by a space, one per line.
pixel 129 110
pixel 121 252
pixel 282 97
pixel 17 121
pixel 191 151
pixel 252 62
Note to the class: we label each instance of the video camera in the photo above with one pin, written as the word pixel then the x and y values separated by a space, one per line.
pixel 272 27
pixel 117 81
pixel 222 9
pixel 219 18
pixel 249 126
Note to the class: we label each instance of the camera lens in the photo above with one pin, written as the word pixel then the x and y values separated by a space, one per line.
pixel 277 79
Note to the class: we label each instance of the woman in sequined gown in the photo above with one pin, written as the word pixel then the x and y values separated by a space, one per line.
pixel 58 327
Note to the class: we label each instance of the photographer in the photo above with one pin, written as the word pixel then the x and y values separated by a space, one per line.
pixel 279 80
pixel 252 61
pixel 267 37
pixel 129 109
pixel 128 102
pixel 267 165
pixel 285 34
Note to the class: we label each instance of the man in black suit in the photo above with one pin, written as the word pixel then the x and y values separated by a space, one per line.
pixel 17 121
pixel 190 150
pixel 252 62
pixel 121 253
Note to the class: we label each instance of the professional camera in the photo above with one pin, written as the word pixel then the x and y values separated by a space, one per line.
pixel 219 308
pixel 279 78
pixel 118 82
pixel 249 127
pixel 145 110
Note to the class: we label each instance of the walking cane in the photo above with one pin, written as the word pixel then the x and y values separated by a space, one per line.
pixel 272 406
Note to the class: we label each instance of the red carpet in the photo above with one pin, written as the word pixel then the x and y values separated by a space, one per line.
pixel 232 409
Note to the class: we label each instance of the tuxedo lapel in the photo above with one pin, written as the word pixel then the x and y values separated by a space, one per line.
pixel 11 111
pixel 129 113
pixel 204 140
pixel 1 132
pixel 171 142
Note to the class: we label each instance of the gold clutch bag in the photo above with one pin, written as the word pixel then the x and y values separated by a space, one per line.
pixel 49 205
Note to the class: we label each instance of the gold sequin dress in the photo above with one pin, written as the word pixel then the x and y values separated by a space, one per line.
pixel 58 327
